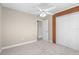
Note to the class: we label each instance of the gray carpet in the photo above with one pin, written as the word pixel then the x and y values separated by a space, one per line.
pixel 40 48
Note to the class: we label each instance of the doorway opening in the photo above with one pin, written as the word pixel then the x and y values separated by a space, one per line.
pixel 42 30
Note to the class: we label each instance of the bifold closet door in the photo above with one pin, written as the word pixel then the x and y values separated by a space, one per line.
pixel 67 30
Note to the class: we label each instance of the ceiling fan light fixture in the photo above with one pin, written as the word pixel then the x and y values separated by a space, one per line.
pixel 42 15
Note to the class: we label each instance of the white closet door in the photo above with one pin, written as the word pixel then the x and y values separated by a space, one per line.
pixel 67 30
pixel 45 30
pixel 39 29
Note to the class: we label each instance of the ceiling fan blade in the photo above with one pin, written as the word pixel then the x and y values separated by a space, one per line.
pixel 48 13
pixel 49 9
pixel 39 9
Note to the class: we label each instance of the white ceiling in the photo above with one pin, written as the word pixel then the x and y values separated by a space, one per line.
pixel 31 7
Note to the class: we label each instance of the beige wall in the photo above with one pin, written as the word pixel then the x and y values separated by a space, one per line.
pixel 0 27
pixel 18 27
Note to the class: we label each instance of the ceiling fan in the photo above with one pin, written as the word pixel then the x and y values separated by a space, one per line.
pixel 44 12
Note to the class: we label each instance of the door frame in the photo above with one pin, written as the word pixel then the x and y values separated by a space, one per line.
pixel 65 12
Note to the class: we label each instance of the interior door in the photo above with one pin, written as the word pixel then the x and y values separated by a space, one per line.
pixel 45 30
pixel 39 29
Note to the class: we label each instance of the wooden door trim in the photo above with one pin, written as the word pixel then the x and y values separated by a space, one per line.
pixel 65 12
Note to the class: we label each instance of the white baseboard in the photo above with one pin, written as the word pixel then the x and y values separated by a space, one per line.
pixel 18 44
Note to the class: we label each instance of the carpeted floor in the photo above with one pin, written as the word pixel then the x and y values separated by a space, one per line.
pixel 40 47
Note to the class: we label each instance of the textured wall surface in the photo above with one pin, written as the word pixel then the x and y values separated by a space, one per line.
pixel 18 27
pixel 0 27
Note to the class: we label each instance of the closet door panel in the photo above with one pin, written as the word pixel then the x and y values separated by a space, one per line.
pixel 67 30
